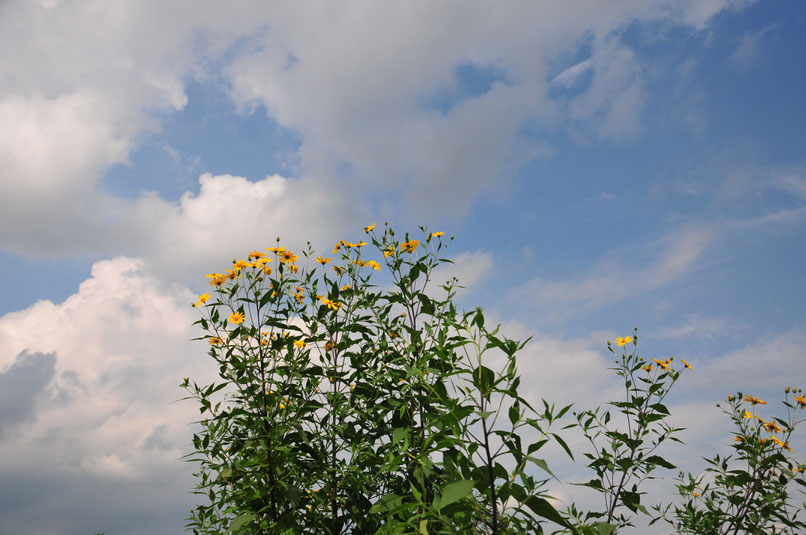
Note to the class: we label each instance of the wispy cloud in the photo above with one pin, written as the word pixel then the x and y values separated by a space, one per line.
pixel 749 52
pixel 672 257
pixel 570 76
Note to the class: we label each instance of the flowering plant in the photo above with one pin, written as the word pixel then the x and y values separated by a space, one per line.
pixel 345 407
pixel 748 491
pixel 342 407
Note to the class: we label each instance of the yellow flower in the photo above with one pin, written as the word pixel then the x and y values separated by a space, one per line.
pixel 323 260
pixel 338 269
pixel 240 264
pixel 336 247
pixel 388 251
pixel 202 299
pixel 624 341
pixel 409 246
pixel 287 257
pixel 256 255
pixel 329 346
pixel 748 415
pixel 754 401
pixel 215 341
pixel 345 287
pixel 648 367
pixel 437 234
pixel 772 427
pixel 695 494
pixel 686 364
pixel 369 228
pixel 237 317
pixel 331 304
pixel 217 279
pixel 661 363
pixel 801 400
pixel 300 344
pixel 276 249
pixel 267 270
pixel 373 264
pixel 738 438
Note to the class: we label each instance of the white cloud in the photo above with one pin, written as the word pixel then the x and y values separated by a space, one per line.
pixel 352 80
pixel 793 181
pixel 108 413
pixel 468 268
pixel 81 86
pixel 703 327
pixel 612 106
pixel 767 366
pixel 231 216
pixel 672 257
pixel 570 76
pixel 749 51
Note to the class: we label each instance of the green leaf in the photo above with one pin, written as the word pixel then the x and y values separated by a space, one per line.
pixel 387 503
pixel 563 444
pixel 542 464
pixel 483 378
pixel 455 491
pixel 603 528
pixel 239 522
pixel 401 433
pixel 543 508
pixel 660 461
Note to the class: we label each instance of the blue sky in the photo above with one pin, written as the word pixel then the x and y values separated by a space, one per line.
pixel 600 166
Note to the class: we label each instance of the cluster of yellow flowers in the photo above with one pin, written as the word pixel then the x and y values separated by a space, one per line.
pixel 258 261
pixel 409 246
pixel 770 426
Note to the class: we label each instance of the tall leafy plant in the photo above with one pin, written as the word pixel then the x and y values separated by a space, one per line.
pixel 345 407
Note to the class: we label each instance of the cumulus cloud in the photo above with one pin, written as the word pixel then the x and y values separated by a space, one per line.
pixel 231 216
pixel 105 415
pixel 352 82
pixel 20 385
pixel 350 79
